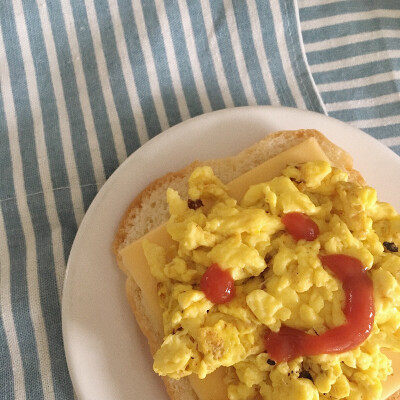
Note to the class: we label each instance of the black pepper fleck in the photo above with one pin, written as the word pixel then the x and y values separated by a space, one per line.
pixel 267 258
pixel 390 246
pixel 305 374
pixel 271 362
pixel 195 204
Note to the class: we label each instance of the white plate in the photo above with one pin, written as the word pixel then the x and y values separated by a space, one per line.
pixel 107 356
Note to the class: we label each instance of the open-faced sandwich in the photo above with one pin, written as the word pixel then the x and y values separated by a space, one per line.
pixel 272 274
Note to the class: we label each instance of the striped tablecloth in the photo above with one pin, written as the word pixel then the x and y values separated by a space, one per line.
pixel 84 83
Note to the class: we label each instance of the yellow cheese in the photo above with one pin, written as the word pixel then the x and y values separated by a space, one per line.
pixel 211 384
pixel 135 261
pixel 309 150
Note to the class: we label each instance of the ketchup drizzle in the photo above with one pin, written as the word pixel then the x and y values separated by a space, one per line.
pixel 290 343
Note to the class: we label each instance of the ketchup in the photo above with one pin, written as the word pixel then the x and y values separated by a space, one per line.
pixel 300 226
pixel 290 343
pixel 218 285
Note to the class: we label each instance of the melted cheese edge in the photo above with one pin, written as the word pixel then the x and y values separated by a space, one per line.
pixel 135 263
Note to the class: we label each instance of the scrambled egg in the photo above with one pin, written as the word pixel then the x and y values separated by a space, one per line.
pixel 278 282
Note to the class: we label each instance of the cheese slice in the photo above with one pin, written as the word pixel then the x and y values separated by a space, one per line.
pixel 135 262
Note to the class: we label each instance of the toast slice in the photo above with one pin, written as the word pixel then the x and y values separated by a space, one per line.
pixel 149 210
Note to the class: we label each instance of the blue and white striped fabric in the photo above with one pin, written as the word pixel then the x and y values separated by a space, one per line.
pixel 353 49
pixel 84 83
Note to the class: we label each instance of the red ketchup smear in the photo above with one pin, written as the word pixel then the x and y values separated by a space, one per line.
pixel 218 285
pixel 290 343
pixel 300 226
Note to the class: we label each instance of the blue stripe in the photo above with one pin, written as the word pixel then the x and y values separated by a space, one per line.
pixel 364 92
pixel 182 58
pixel 21 100
pixel 396 149
pixel 349 28
pixel 249 52
pixel 89 192
pixel 383 132
pixel 66 217
pixel 358 71
pixel 345 7
pixel 138 66
pixel 19 300
pixel 273 54
pixel 296 57
pixel 6 191
pixel 116 77
pixel 227 53
pixel 51 123
pixel 93 83
pixel 349 50
pixel 6 175
pixel 50 305
pixel 363 113
pixel 71 93
pixel 204 55
pixel 6 370
pixel 156 39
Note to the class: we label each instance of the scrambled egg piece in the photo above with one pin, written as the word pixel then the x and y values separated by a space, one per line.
pixel 278 281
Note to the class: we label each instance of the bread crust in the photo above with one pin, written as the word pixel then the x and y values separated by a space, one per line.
pixel 270 146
